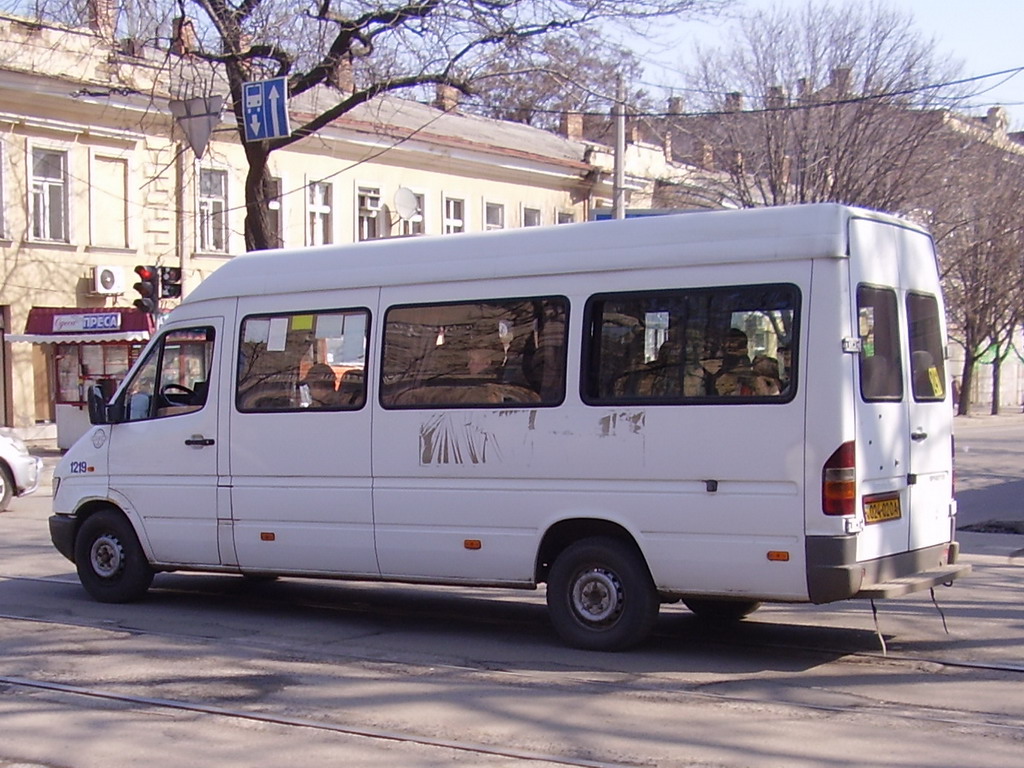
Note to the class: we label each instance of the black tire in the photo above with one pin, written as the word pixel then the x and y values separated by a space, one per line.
pixel 6 488
pixel 110 562
pixel 721 611
pixel 601 596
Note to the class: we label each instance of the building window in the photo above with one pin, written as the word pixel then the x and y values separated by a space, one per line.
pixel 371 224
pixel 275 222
pixel 213 206
pixel 321 223
pixel 414 224
pixel 3 207
pixel 109 205
pixel 49 199
pixel 566 217
pixel 531 217
pixel 494 216
pixel 454 215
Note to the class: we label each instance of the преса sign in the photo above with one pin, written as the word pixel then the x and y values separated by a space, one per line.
pixel 105 321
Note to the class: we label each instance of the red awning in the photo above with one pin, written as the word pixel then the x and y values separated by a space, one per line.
pixel 72 325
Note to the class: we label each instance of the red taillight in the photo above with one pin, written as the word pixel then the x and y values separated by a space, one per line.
pixel 839 481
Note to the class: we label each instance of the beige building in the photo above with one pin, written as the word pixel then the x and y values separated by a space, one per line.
pixel 97 176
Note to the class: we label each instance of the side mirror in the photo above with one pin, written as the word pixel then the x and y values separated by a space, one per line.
pixel 97 406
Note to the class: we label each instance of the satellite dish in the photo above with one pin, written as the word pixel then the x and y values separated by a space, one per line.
pixel 406 203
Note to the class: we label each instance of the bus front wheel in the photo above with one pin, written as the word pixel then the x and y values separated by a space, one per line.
pixel 600 595
pixel 110 561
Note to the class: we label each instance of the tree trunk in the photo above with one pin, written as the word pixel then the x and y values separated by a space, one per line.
pixel 258 236
pixel 966 381
pixel 997 370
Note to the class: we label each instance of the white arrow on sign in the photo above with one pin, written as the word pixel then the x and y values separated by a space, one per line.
pixel 273 97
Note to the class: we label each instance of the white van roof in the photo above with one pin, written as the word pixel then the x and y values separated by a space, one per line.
pixel 705 237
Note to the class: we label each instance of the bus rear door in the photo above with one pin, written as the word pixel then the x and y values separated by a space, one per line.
pixel 930 475
pixel 883 432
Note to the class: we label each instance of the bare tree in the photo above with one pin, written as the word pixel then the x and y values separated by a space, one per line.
pixel 544 78
pixel 824 103
pixel 360 49
pixel 981 238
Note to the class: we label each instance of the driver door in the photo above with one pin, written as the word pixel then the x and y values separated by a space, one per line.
pixel 164 464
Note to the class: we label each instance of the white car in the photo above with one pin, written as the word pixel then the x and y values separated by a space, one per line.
pixel 19 470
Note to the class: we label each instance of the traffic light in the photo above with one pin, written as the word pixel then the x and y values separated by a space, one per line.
pixel 170 283
pixel 148 289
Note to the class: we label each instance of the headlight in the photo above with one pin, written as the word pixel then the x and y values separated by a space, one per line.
pixel 56 485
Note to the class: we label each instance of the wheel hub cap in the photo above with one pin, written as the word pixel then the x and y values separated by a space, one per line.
pixel 597 596
pixel 106 556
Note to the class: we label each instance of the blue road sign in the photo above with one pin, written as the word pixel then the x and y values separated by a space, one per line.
pixel 265 108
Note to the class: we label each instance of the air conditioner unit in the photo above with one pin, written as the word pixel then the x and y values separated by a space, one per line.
pixel 370 204
pixel 107 280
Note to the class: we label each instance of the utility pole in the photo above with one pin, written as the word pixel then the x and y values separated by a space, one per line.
pixel 619 174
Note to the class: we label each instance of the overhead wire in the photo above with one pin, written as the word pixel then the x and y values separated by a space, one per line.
pixel 802 105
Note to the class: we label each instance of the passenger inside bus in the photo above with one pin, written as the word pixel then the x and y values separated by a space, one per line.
pixel 766 381
pixel 728 370
pixel 320 387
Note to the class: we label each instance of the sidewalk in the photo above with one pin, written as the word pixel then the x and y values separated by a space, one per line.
pixel 1008 417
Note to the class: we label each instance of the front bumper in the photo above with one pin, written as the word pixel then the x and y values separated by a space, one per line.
pixel 62 533
pixel 27 474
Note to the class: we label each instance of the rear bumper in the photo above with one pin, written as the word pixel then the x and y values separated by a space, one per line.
pixel 833 572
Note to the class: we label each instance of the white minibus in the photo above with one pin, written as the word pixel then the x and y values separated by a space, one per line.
pixel 722 408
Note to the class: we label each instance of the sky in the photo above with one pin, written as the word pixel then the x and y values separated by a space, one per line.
pixel 985 35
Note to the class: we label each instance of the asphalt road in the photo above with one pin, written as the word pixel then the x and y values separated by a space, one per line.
pixel 218 671
pixel 990 472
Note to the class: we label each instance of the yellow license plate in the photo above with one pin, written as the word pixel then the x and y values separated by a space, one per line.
pixel 880 510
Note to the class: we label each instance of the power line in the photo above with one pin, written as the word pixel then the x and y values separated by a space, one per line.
pixel 1008 73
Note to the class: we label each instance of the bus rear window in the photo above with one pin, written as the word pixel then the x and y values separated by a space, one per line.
pixel 881 372
pixel 927 367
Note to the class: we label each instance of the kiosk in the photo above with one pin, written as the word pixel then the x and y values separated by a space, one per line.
pixel 84 347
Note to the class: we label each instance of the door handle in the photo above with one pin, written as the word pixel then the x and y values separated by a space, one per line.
pixel 918 435
pixel 198 441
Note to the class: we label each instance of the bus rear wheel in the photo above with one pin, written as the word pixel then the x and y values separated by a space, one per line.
pixel 600 595
pixel 110 561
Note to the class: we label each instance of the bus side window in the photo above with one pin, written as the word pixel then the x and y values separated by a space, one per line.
pixel 706 345
pixel 173 379
pixel 508 352
pixel 139 392
pixel 303 361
